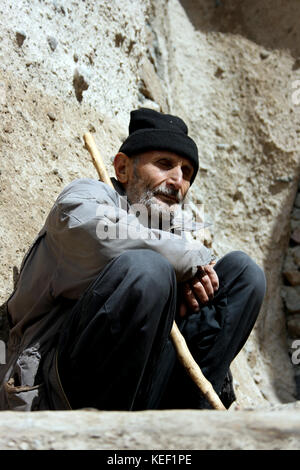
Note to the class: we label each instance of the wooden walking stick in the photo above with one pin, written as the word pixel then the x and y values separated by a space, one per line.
pixel 179 343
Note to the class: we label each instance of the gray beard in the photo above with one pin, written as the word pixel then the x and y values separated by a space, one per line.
pixel 158 214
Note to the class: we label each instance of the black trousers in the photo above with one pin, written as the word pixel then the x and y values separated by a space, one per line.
pixel 114 351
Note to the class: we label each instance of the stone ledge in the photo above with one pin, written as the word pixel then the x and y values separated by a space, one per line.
pixel 154 430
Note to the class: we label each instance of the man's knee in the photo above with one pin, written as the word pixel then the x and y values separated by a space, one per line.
pixel 238 263
pixel 147 268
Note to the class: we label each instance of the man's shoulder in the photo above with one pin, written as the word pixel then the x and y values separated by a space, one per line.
pixel 84 184
pixel 79 202
pixel 86 188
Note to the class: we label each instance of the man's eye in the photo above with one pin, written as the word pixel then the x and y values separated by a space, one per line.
pixel 187 173
pixel 164 163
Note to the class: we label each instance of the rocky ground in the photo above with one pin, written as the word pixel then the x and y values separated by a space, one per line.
pixel 277 429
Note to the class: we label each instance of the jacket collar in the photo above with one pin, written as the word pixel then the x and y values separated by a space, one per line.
pixel 118 186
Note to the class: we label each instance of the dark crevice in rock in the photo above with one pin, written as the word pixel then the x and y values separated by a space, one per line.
pixel 20 38
pixel 80 85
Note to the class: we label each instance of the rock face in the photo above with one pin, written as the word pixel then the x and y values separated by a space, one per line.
pixel 230 69
pixel 291 292
pixel 166 430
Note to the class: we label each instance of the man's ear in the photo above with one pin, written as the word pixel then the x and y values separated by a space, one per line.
pixel 122 165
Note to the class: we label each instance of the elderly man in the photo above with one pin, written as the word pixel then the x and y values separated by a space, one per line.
pixel 101 286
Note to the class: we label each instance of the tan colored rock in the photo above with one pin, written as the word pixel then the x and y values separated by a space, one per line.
pixel 291 296
pixel 293 277
pixel 296 235
pixel 289 262
pixel 295 224
pixel 293 324
pixel 296 254
pixel 151 86
pixel 296 214
pixel 186 430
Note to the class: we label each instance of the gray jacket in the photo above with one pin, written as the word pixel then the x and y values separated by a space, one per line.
pixel 80 236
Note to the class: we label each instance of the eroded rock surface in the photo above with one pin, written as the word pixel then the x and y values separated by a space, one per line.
pixel 184 430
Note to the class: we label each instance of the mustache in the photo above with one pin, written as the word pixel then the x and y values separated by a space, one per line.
pixel 165 191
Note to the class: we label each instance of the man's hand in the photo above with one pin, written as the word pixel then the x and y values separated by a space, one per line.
pixel 199 290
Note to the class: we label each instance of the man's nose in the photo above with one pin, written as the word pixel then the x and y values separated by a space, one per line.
pixel 175 177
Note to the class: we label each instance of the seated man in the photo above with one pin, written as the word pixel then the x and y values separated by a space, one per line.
pixel 100 288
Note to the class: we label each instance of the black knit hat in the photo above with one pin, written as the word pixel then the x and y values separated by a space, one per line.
pixel 151 130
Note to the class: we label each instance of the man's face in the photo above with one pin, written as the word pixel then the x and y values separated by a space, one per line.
pixel 158 179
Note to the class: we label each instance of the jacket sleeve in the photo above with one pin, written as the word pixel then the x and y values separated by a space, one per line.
pixel 88 228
